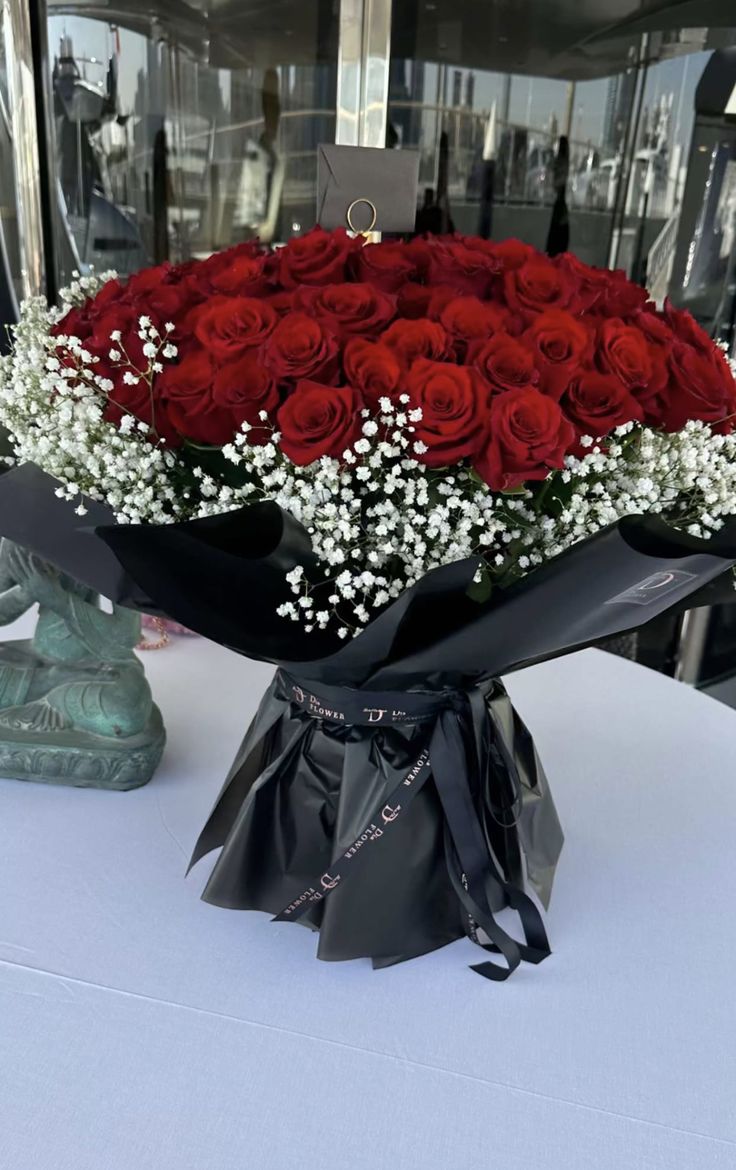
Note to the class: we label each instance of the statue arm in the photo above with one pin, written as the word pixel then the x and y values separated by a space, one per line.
pixel 13 604
pixel 103 632
pixel 109 635
pixel 14 596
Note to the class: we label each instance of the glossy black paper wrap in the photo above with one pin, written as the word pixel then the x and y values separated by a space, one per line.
pixel 304 786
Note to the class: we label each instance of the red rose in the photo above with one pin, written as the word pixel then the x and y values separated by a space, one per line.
pixel 239 271
pixel 624 351
pixel 654 328
pixel 596 403
pixel 122 319
pixel 560 343
pixel 164 293
pixel 318 257
pixel 78 322
pixel 282 302
pixel 538 285
pixel 373 368
pixel 620 297
pixel 352 309
pixel 319 420
pixel 244 276
pixel 464 269
pixel 419 251
pixel 504 362
pixel 110 293
pixel 511 254
pixel 144 282
pixel 476 243
pixel 167 303
pixel 591 284
pixel 187 390
pixel 81 320
pixel 229 326
pixel 700 387
pixel 126 399
pixel 439 298
pixel 245 388
pixel 452 400
pixel 528 437
pixel 413 300
pixel 685 328
pixel 413 339
pixel 468 318
pixel 301 347
pixel 385 266
pixel 220 261
pixel 654 397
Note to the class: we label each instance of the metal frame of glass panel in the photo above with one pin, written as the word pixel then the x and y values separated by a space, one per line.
pixel 19 59
pixel 362 72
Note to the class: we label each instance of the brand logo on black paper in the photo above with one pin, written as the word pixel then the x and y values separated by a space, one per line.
pixel 313 705
pixel 652 588
pixel 308 896
pixel 375 714
pixel 372 833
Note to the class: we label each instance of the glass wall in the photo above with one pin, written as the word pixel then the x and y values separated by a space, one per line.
pixel 497 149
pixel 170 144
pixel 175 131
pixel 489 145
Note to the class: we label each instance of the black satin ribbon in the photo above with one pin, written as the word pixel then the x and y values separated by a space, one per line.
pixel 476 874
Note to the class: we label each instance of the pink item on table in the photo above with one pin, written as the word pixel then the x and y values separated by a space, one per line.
pixel 165 628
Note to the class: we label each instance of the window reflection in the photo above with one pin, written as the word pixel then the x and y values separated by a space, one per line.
pixel 546 141
pixel 493 148
pixel 161 154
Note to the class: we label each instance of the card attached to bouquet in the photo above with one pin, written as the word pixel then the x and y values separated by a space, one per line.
pixel 366 188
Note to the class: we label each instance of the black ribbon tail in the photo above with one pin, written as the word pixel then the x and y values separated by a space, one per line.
pixel 480 876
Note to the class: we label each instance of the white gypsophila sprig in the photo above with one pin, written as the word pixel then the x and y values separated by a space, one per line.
pixel 52 402
pixel 688 478
pixel 79 291
pixel 379 520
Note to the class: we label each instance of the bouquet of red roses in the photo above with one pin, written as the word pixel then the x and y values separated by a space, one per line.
pixel 397 470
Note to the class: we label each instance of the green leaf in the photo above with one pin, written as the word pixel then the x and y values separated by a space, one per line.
pixel 480 590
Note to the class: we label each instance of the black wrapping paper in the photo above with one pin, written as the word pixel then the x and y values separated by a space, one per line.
pixel 307 784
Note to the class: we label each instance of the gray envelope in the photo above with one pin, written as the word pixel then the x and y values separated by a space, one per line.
pixel 388 178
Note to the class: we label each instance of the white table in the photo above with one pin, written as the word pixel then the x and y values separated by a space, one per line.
pixel 141 1029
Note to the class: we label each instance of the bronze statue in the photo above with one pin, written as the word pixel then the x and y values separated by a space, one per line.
pixel 75 706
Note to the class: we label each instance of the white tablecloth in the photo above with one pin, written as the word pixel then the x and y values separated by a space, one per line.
pixel 141 1029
